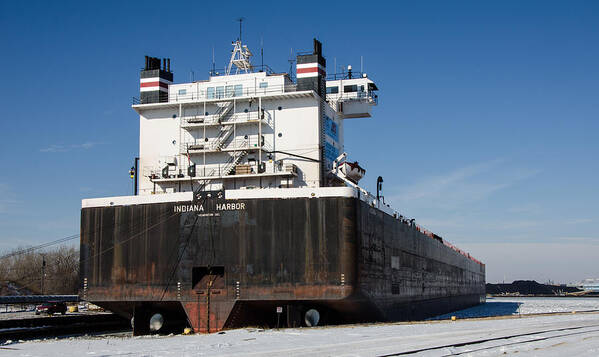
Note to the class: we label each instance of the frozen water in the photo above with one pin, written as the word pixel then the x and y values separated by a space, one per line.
pixel 503 306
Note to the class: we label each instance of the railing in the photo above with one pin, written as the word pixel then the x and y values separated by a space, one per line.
pixel 370 96
pixel 446 243
pixel 201 94
pixel 218 170
pixel 346 75
pixel 372 201
pixel 255 68
pixel 462 252
pixel 251 143
pixel 234 118
pixel 200 145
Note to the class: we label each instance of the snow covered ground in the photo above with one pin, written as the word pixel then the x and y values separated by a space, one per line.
pixel 528 335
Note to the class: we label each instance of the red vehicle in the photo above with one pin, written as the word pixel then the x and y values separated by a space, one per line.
pixel 51 307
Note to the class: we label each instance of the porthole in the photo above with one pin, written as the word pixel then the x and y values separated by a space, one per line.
pixel 174 116
pixel 245 110
pixel 174 142
pixel 280 134
pixel 206 113
pixel 280 108
pixel 205 139
pixel 245 137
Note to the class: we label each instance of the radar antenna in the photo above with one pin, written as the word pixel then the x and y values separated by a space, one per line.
pixel 240 56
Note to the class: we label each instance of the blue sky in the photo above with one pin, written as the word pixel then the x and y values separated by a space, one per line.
pixel 486 131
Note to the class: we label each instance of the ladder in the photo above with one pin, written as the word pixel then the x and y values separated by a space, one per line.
pixel 233 161
pixel 223 135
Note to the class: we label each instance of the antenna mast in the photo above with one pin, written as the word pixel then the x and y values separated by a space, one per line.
pixel 213 65
pixel 240 57
pixel 291 62
pixel 240 21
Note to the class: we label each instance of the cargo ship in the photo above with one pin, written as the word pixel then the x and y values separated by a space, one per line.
pixel 247 211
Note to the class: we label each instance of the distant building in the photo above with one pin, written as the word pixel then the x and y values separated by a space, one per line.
pixel 589 285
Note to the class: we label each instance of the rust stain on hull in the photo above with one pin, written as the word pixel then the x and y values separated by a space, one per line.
pixel 352 262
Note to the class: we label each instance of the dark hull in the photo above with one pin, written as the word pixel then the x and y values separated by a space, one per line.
pixel 233 265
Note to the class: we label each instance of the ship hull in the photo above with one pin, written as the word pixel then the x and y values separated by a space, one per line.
pixel 215 264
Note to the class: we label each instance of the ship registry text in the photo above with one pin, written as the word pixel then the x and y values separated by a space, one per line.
pixel 235 206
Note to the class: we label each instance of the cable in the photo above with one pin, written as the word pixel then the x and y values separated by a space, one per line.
pixel 33 276
pixel 186 242
pixel 44 245
pixel 290 154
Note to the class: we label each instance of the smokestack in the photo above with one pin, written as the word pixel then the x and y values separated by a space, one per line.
pixel 154 80
pixel 317 47
pixel 311 71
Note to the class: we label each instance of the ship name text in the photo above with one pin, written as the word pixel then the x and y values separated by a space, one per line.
pixel 234 206
pixel 230 206
pixel 188 208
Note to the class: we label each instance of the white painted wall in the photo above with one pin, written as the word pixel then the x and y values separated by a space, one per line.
pixel 157 130
pixel 297 122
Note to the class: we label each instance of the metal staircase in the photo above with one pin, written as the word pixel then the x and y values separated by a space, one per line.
pixel 233 161
pixel 223 135
pixel 229 165
pixel 224 108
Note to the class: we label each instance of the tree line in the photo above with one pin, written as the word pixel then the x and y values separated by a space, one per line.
pixel 54 271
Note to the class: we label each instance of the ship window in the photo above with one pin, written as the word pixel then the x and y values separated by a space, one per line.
pixel 210 93
pixel 220 92
pixel 349 89
pixel 182 91
pixel 263 84
pixel 238 89
pixel 229 91
pixel 332 90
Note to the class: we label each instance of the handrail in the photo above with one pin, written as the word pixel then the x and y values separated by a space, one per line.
pixel 214 171
pixel 245 92
pixel 353 95
pixel 446 243
pixel 232 118
pixel 345 75
pixel 235 144
pixel 216 72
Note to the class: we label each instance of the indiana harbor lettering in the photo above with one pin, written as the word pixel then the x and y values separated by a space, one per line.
pixel 232 206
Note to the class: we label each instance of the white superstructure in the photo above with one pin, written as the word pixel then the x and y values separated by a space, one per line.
pixel 247 129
